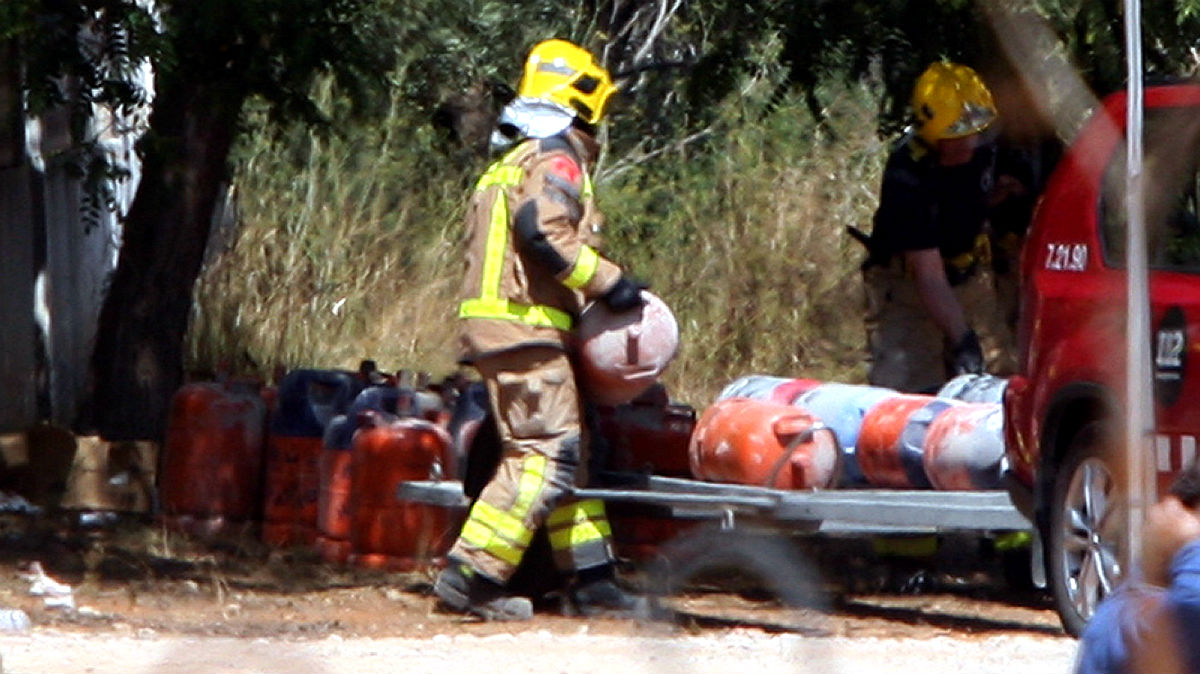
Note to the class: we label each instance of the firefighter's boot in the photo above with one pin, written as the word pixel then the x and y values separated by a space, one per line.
pixel 596 593
pixel 460 589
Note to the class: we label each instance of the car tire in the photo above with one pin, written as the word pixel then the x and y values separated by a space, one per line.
pixel 1086 538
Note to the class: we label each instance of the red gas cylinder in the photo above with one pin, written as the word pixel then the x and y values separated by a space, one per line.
pixel 762 443
pixel 787 392
pixel 622 354
pixel 639 532
pixel 212 458
pixel 649 434
pixel 783 390
pixel 388 533
pixel 964 448
pixel 306 402
pixel 892 437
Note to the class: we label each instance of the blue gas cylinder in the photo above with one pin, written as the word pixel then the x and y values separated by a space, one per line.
pixel 841 407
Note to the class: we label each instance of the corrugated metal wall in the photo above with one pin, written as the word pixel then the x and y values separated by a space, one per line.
pixel 79 257
pixel 18 362
pixel 54 266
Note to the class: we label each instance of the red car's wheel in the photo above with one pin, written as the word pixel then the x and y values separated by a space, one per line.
pixel 1086 543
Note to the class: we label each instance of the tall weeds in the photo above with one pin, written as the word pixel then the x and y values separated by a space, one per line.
pixel 348 248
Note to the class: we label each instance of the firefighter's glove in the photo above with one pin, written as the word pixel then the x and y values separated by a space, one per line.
pixel 967 355
pixel 626 294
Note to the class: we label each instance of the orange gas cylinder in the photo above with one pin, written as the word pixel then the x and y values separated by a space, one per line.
pixel 622 354
pixel 305 403
pixel 649 435
pixel 964 448
pixel 212 458
pixel 766 444
pixel 333 498
pixel 892 438
pixel 373 406
pixel 388 533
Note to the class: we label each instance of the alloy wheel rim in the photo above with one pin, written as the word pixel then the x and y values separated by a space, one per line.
pixel 1091 530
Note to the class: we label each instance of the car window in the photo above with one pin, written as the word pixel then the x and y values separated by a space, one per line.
pixel 1172 190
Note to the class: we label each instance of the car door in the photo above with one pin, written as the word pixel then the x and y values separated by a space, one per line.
pixel 1172 216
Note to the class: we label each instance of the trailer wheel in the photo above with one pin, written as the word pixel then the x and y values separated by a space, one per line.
pixel 1085 543
pixel 752 561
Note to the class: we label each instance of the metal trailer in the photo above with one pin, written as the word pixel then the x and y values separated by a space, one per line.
pixel 835 511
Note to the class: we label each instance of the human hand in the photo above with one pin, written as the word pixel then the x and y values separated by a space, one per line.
pixel 967 355
pixel 1168 527
pixel 1005 188
pixel 625 294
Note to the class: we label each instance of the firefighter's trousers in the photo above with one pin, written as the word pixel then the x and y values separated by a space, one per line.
pixel 544 453
pixel 908 351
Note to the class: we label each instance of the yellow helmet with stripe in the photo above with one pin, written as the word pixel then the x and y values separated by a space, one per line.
pixel 951 101
pixel 567 74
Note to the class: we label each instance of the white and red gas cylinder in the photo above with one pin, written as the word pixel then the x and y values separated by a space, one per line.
pixel 621 354
pixel 964 448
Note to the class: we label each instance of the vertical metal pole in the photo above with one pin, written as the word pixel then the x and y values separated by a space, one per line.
pixel 1139 426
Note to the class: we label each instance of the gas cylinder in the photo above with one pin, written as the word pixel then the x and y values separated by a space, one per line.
pixel 333 497
pixel 622 354
pixel 784 390
pixel 212 458
pixel 649 434
pixel 766 444
pixel 388 533
pixel 964 448
pixel 307 400
pixel 975 388
pixel 842 407
pixel 892 438
pixel 334 515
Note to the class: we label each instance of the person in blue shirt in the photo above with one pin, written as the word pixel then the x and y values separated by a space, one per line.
pixel 1152 622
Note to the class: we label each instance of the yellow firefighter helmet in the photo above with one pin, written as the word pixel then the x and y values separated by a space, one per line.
pixel 951 101
pixel 565 73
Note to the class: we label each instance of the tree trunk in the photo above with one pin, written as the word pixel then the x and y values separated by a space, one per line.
pixel 137 361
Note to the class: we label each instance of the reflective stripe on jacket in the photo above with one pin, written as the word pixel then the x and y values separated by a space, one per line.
pixel 531 262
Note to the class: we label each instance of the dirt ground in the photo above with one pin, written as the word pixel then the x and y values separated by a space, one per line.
pixel 174 603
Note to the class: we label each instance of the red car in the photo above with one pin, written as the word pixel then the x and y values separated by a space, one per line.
pixel 1064 413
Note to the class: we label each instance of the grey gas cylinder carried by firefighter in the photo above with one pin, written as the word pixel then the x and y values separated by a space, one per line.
pixel 621 354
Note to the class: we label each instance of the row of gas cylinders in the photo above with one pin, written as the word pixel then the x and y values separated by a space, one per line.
pixel 313 462
pixel 802 434
pixel 316 462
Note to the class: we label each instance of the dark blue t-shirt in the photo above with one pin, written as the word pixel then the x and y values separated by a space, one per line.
pixel 925 205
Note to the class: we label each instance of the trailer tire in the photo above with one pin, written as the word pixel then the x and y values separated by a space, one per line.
pixel 1085 543
pixel 737 560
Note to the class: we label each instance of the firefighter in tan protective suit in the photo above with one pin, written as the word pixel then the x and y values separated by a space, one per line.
pixel 531 267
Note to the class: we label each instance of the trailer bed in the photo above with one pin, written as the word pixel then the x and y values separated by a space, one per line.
pixel 826 511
